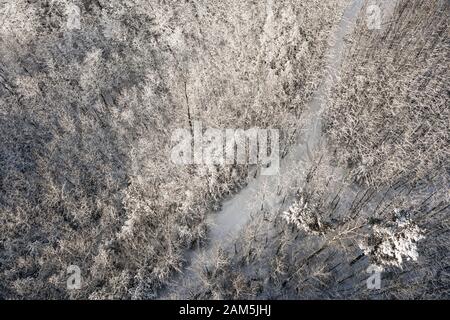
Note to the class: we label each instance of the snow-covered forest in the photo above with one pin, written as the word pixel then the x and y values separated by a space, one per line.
pixel 92 205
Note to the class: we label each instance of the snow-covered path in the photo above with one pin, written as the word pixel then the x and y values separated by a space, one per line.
pixel 269 191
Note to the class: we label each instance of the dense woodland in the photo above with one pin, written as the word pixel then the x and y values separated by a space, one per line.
pixel 91 92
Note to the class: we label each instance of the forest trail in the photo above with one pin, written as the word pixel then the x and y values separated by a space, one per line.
pixel 269 191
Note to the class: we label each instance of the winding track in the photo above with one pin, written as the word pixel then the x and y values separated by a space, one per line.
pixel 265 190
